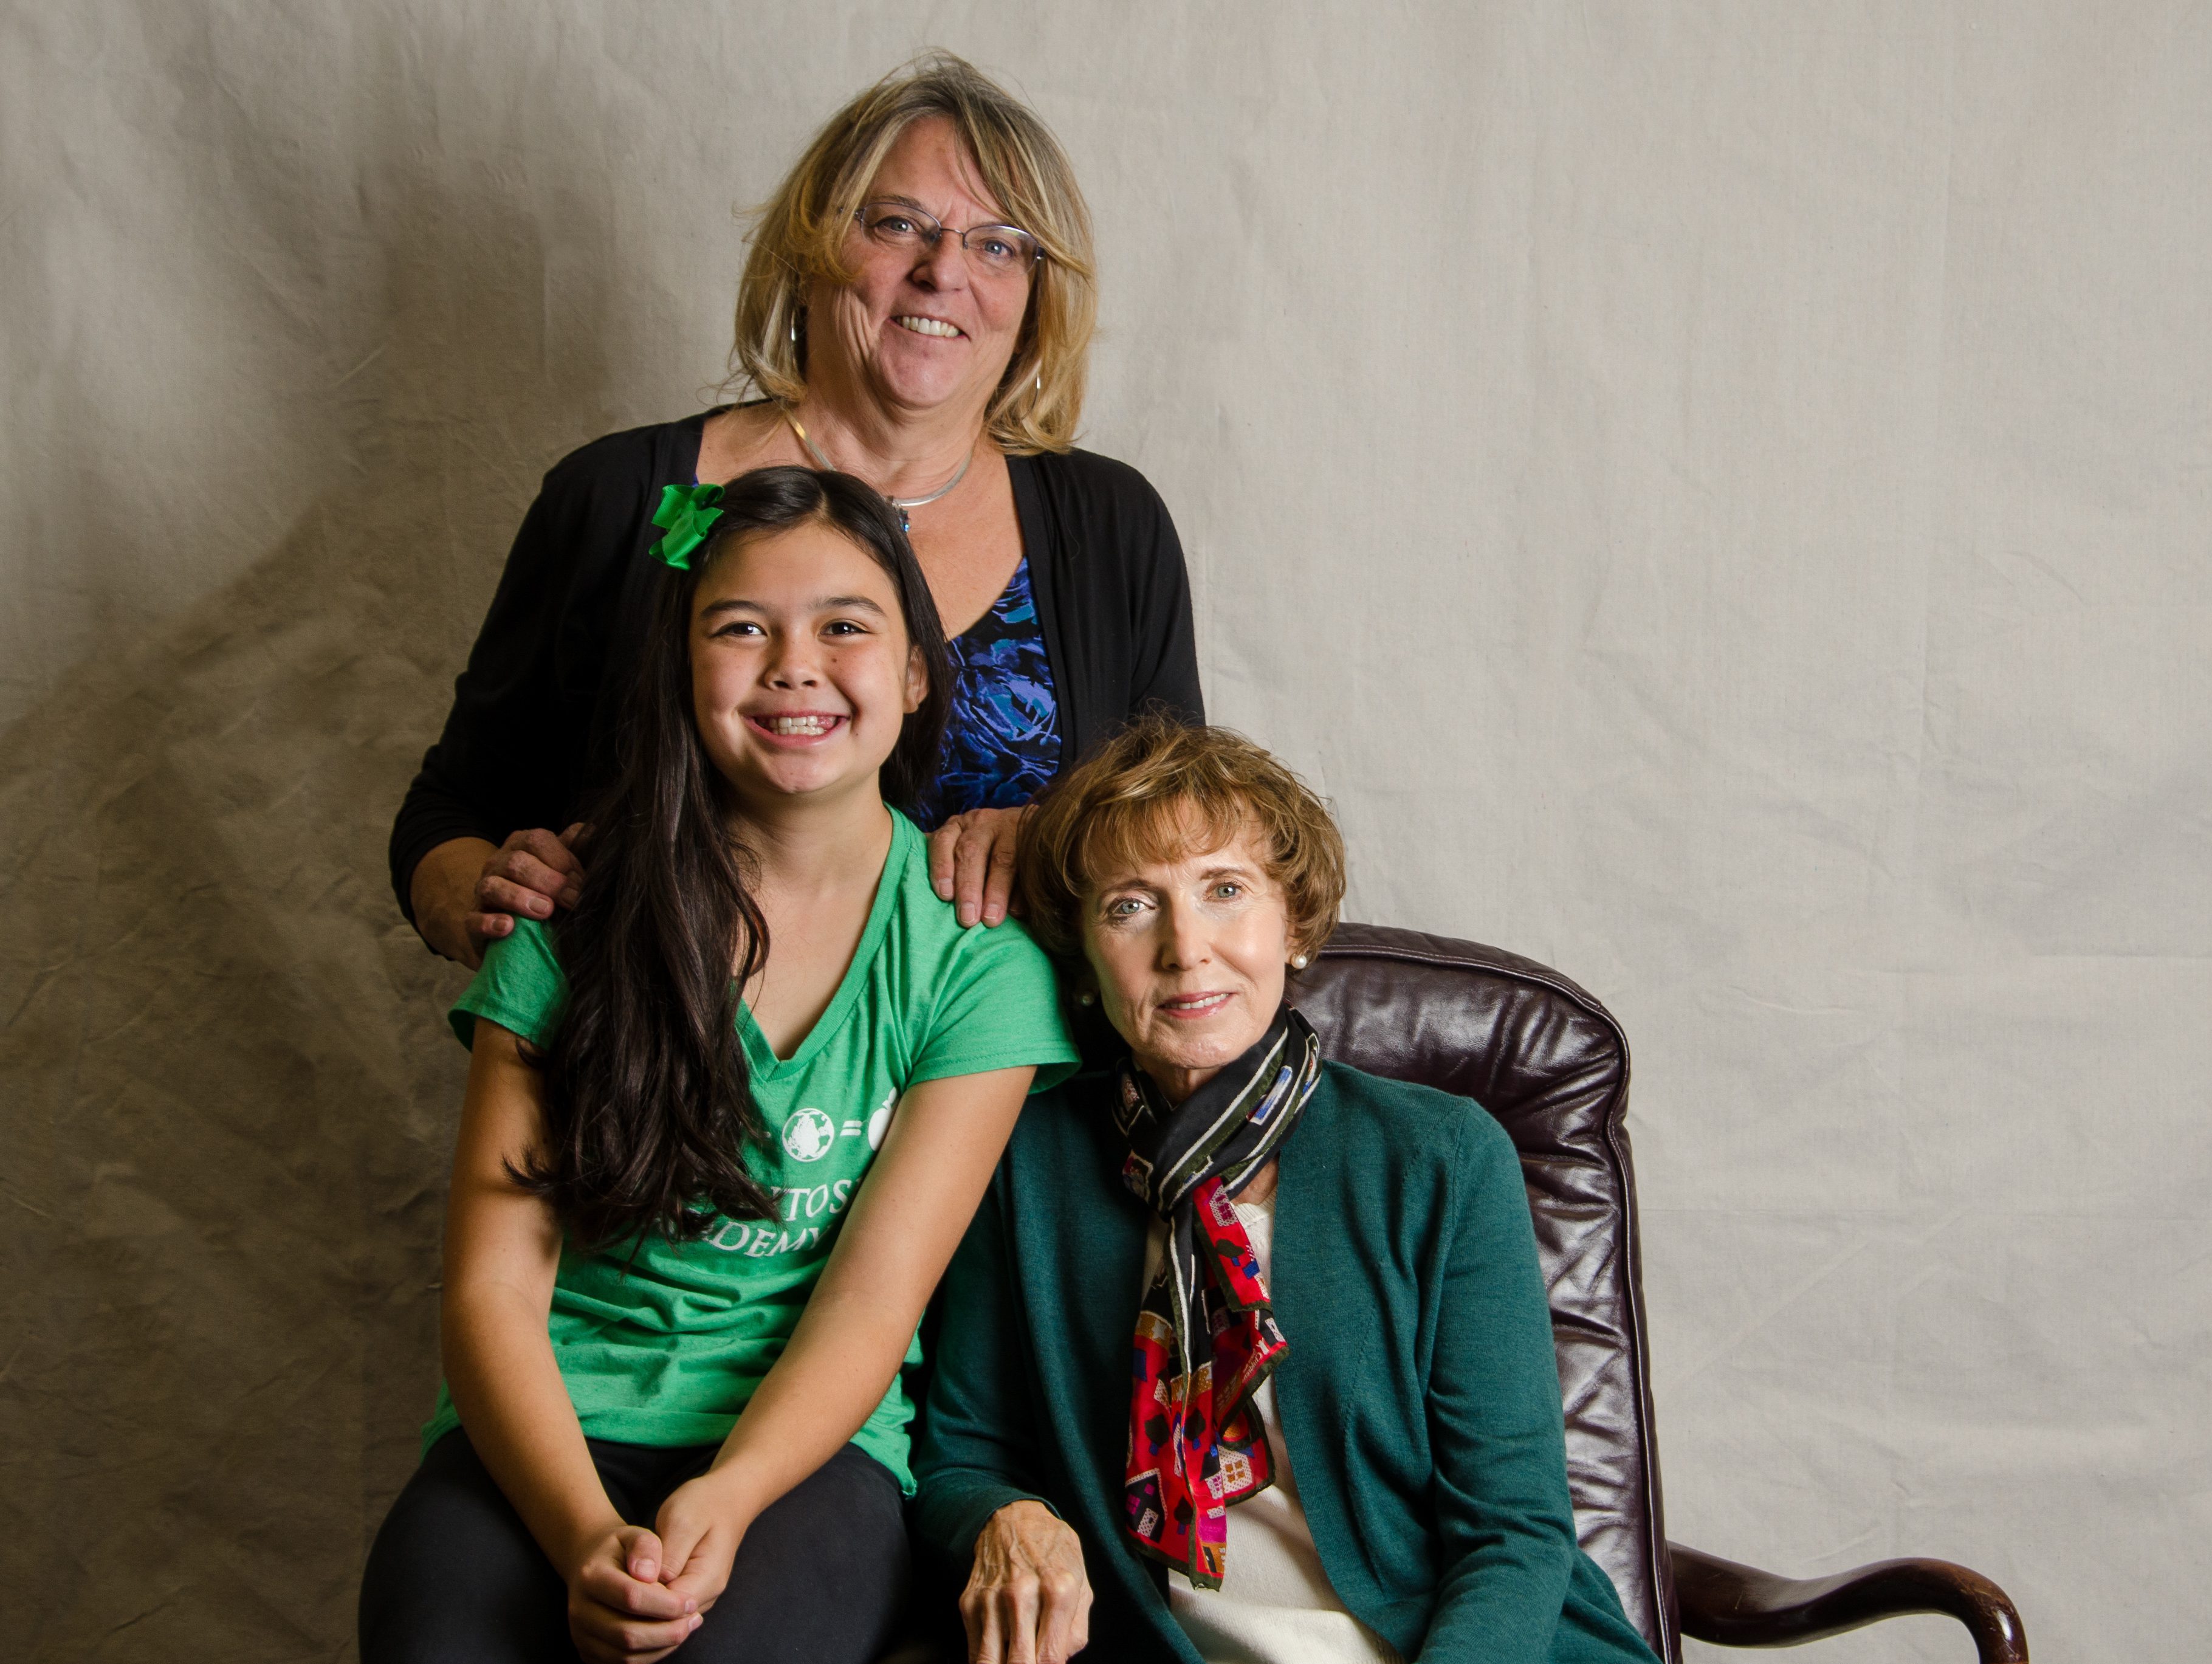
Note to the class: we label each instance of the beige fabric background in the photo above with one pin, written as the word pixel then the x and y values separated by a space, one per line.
pixel 1718 493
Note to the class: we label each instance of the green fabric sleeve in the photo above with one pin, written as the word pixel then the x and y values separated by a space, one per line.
pixel 999 1008
pixel 1504 1523
pixel 521 988
pixel 973 1450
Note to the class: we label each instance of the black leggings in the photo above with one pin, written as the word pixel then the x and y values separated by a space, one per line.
pixel 455 1576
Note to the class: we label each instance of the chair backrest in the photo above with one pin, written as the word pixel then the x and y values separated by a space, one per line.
pixel 1552 1066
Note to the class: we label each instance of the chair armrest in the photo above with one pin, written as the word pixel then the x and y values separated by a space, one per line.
pixel 1736 1606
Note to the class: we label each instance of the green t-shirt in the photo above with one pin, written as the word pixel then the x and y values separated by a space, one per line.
pixel 665 1348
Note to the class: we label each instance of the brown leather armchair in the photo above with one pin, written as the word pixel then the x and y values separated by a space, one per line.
pixel 1550 1064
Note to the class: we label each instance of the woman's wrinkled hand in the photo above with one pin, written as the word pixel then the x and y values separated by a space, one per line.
pixel 620 1611
pixel 1027 1600
pixel 530 875
pixel 467 894
pixel 971 862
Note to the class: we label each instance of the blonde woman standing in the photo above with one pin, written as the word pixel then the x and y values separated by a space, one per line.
pixel 916 310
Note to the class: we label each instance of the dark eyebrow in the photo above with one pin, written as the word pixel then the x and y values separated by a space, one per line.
pixel 825 604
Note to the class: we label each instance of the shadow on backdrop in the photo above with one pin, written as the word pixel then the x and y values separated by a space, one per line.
pixel 231 1090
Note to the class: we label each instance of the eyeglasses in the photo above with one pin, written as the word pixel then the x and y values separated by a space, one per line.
pixel 996 251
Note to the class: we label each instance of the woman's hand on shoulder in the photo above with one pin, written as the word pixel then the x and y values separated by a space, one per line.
pixel 467 894
pixel 1027 1599
pixel 971 862
pixel 620 1610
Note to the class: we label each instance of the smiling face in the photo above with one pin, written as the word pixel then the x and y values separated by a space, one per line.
pixel 801 672
pixel 1189 953
pixel 921 327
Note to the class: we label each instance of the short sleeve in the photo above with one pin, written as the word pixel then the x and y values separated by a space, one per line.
pixel 521 988
pixel 998 1007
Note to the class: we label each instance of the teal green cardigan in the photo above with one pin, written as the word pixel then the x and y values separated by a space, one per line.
pixel 1420 1401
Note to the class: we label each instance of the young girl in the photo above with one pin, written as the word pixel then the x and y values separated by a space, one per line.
pixel 674 1315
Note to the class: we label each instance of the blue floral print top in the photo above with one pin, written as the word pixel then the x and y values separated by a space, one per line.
pixel 1002 740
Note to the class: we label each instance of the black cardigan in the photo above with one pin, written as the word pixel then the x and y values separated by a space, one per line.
pixel 528 736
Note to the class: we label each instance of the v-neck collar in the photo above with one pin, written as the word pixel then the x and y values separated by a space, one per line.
pixel 760 1056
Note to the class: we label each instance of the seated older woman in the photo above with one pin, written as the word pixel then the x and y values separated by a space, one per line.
pixel 1341 1438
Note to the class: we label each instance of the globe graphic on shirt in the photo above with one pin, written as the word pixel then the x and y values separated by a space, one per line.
pixel 808 1135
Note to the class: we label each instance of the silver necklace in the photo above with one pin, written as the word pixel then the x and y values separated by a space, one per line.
pixel 900 503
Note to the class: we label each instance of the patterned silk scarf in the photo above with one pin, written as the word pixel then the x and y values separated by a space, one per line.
pixel 1206 1337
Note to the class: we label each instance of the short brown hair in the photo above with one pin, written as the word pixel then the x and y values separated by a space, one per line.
pixel 799 234
pixel 1125 804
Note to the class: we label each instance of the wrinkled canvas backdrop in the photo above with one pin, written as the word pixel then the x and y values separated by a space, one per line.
pixel 1717 493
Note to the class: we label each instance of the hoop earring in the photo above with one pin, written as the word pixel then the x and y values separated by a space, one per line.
pixel 794 326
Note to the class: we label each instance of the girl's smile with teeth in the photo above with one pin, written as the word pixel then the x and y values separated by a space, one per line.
pixel 802 675
pixel 921 326
pixel 796 725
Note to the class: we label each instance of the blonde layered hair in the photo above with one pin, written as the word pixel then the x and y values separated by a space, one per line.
pixel 799 235
pixel 1161 790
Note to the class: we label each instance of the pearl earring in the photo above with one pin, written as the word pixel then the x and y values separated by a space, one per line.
pixel 1298 961
pixel 1087 997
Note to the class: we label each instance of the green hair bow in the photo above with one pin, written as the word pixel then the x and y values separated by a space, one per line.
pixel 685 513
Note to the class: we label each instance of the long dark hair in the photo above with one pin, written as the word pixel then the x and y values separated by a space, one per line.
pixel 648 1104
